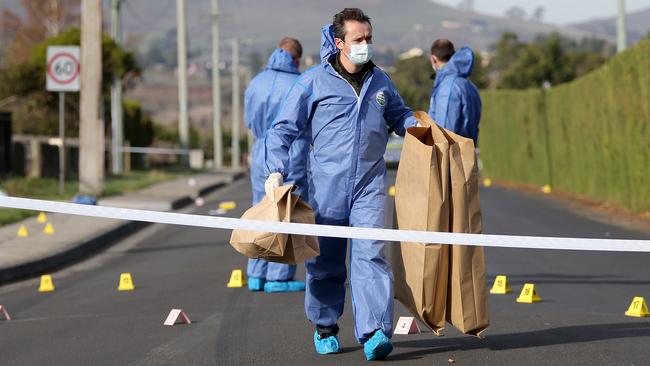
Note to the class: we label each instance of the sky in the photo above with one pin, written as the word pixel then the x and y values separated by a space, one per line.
pixel 557 11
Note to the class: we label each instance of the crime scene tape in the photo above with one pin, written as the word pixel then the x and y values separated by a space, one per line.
pixel 486 240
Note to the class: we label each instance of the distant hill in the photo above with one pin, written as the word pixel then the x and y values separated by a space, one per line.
pixel 638 25
pixel 395 22
pixel 265 21
pixel 398 26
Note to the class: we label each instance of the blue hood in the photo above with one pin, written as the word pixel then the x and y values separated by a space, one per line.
pixel 327 46
pixel 460 64
pixel 280 60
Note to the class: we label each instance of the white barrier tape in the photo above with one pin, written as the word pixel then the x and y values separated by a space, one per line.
pixel 507 241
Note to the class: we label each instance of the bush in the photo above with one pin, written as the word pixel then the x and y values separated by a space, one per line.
pixel 589 137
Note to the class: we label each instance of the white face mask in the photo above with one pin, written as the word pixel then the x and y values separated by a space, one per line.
pixel 360 53
pixel 437 68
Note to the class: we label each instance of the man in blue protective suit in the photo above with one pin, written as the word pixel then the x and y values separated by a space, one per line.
pixel 455 102
pixel 350 106
pixel 262 101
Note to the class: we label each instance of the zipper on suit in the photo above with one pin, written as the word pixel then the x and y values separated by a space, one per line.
pixel 357 138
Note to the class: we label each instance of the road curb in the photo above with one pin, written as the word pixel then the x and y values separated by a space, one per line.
pixel 96 244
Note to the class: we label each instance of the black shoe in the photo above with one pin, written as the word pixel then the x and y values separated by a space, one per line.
pixel 324 332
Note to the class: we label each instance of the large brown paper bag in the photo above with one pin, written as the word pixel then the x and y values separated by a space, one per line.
pixel 455 206
pixel 276 247
pixel 422 203
pixel 467 308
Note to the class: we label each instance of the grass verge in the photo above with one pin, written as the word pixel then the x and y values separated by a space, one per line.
pixel 48 188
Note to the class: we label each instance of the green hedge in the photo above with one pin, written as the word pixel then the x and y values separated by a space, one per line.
pixel 590 136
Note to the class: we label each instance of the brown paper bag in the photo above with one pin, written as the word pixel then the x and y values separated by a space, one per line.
pixel 438 282
pixel 275 247
pixel 422 203
pixel 467 293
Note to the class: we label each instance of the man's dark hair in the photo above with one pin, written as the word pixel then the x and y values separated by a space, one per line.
pixel 292 46
pixel 354 14
pixel 443 49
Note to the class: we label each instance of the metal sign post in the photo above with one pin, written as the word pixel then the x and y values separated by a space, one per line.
pixel 62 75
pixel 62 143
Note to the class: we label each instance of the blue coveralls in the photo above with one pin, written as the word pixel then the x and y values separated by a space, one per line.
pixel 455 103
pixel 263 98
pixel 349 133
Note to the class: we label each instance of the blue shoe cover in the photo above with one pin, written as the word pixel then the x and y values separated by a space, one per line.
pixel 256 283
pixel 84 199
pixel 284 286
pixel 326 345
pixel 377 347
pixel 296 286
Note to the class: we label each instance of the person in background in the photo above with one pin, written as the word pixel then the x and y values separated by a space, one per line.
pixel 261 103
pixel 349 105
pixel 455 102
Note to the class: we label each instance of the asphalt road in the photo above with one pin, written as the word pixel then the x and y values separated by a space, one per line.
pixel 86 321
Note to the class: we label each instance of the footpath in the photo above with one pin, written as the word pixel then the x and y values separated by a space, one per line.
pixel 61 240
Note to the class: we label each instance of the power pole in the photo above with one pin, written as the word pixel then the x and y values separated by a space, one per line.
pixel 216 89
pixel 117 130
pixel 236 113
pixel 183 123
pixel 621 38
pixel 91 130
pixel 250 138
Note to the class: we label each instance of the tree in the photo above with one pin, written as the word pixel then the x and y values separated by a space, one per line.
pixel 479 73
pixel 516 13
pixel 413 79
pixel 549 59
pixel 35 112
pixel 42 19
pixel 138 125
pixel 538 64
pixel 506 52
pixel 538 14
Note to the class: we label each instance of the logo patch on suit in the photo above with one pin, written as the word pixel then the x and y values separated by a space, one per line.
pixel 380 98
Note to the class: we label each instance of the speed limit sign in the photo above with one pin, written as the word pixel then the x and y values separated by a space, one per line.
pixel 63 68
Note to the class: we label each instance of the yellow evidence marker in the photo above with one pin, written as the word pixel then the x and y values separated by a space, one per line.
pixel 228 205
pixel 528 294
pixel 237 279
pixel 487 182
pixel 501 286
pixel 638 308
pixel 126 282
pixel 547 189
pixel 22 231
pixel 391 191
pixel 41 218
pixel 49 229
pixel 47 285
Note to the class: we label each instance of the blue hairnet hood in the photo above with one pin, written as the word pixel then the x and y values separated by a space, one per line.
pixel 455 103
pixel 327 45
pixel 281 60
pixel 460 64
